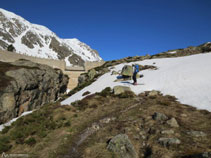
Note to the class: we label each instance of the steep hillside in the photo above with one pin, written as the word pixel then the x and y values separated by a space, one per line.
pixel 39 41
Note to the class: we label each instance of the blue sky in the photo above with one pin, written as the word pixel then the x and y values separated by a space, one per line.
pixel 121 28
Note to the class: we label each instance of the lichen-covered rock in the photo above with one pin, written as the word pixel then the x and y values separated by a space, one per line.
pixel 159 116
pixel 26 85
pixel 167 132
pixel 169 141
pixel 153 93
pixel 127 71
pixel 91 74
pixel 122 146
pixel 172 122
pixel 120 89
pixel 197 133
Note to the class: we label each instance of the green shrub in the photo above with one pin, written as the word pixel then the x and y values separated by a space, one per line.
pixel 67 123
pixel 105 92
pixel 4 144
pixel 42 134
pixel 86 93
pixel 30 141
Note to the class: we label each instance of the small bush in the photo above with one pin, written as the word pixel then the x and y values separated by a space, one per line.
pixel 42 134
pixel 31 141
pixel 81 105
pixel 86 93
pixel 106 92
pixel 4 144
pixel 67 123
pixel 19 141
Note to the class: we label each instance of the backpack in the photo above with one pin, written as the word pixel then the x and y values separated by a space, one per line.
pixel 136 68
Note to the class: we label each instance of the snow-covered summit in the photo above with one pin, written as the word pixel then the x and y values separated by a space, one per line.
pixel 37 40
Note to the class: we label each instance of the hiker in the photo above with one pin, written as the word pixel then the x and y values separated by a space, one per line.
pixel 135 71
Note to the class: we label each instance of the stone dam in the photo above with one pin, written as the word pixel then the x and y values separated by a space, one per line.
pixel 72 71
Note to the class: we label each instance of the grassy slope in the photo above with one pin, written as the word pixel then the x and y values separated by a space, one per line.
pixel 56 130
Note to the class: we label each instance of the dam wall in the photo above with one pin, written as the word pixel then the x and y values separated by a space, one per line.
pixel 73 72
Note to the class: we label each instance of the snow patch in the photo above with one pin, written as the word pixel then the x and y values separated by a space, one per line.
pixel 67 61
pixel 172 52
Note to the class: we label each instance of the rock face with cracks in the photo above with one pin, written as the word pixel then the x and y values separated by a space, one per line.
pixel 26 86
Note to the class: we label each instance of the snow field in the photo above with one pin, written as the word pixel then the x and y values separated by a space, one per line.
pixel 187 78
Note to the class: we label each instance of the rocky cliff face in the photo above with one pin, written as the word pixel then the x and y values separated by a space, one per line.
pixel 39 41
pixel 25 86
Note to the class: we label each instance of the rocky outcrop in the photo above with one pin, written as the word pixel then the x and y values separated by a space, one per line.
pixel 76 60
pixel 25 86
pixel 122 146
pixel 191 50
pixel 62 50
pixel 31 39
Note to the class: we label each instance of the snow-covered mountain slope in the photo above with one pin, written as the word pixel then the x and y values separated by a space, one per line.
pixel 187 78
pixel 39 41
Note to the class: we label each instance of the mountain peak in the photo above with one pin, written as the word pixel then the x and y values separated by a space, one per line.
pixel 38 40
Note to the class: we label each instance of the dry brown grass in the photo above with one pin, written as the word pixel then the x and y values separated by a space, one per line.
pixel 133 115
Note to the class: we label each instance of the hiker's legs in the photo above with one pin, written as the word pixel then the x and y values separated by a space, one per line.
pixel 134 77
